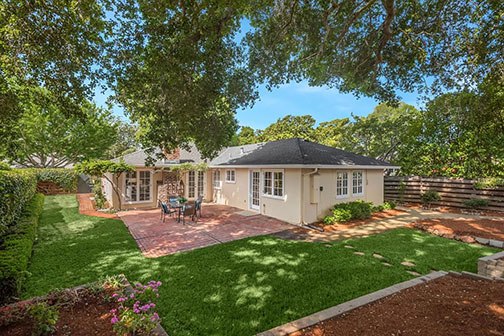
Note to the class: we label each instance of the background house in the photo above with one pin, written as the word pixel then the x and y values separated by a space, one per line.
pixel 294 180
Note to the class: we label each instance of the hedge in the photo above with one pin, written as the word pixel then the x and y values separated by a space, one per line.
pixel 17 187
pixel 66 178
pixel 16 249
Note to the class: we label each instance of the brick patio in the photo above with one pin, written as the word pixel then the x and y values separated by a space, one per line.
pixel 218 224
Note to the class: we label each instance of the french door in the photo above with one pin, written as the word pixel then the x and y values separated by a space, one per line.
pixel 254 189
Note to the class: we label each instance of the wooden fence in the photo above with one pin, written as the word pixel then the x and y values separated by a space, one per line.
pixel 453 192
pixel 51 188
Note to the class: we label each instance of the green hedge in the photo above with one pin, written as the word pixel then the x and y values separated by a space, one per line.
pixel 66 178
pixel 17 187
pixel 16 249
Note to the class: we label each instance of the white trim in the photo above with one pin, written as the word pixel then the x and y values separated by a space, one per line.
pixel 273 171
pixel 285 166
pixel 226 175
pixel 137 177
pixel 363 182
pixel 219 187
pixel 251 206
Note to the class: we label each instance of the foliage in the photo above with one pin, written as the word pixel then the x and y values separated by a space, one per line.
pixel 246 136
pixel 219 277
pixel 67 179
pixel 430 196
pixel 402 191
pixel 290 127
pixel 134 314
pixel 343 212
pixel 187 166
pixel 17 187
pixel 100 168
pixel 377 208
pixel 126 141
pixel 99 197
pixel 45 318
pixel 182 200
pixel 389 205
pixel 476 203
pixel 4 166
pixel 332 133
pixel 46 137
pixel 489 183
pixel 16 248
pixel 56 45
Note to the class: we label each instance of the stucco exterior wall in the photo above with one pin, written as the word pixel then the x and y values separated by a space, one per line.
pixel 233 194
pixel 153 203
pixel 315 211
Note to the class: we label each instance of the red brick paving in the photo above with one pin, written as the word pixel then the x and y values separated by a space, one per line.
pixel 86 207
pixel 218 224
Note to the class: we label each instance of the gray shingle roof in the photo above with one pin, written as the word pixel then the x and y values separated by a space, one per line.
pixel 293 151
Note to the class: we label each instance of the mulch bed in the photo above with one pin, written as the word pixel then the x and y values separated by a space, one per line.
pixel 463 211
pixel 356 222
pixel 89 314
pixel 445 306
pixel 465 229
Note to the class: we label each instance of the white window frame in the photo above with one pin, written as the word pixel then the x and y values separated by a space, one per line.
pixel 272 195
pixel 362 178
pixel 230 173
pixel 196 184
pixel 342 196
pixel 137 177
pixel 217 185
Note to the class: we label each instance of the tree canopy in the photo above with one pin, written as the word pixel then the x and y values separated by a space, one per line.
pixel 46 137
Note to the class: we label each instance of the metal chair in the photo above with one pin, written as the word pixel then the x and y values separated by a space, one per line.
pixel 165 210
pixel 189 209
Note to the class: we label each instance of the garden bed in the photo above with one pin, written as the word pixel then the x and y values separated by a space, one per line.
pixel 464 211
pixel 449 305
pixel 466 230
pixel 356 222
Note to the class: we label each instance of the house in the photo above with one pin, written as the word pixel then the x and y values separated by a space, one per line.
pixel 294 180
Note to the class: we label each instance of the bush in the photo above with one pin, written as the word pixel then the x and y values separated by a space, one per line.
pixel 341 215
pixel 17 187
pixel 430 196
pixel 389 205
pixel 358 209
pixel 378 208
pixel 4 166
pixel 16 248
pixel 99 196
pixel 66 179
pixel 476 203
pixel 489 183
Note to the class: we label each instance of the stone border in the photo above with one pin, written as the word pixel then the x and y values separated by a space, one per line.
pixel 466 239
pixel 492 266
pixel 158 331
pixel 345 307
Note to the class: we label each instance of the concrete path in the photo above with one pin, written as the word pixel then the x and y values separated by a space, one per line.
pixel 411 215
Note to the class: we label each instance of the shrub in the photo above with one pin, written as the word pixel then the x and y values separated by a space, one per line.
pixel 358 209
pixel 389 205
pixel 476 203
pixel 378 208
pixel 328 220
pixel 430 196
pixel 99 196
pixel 16 248
pixel 17 187
pixel 66 179
pixel 341 215
pixel 45 318
pixel 4 166
pixel 489 183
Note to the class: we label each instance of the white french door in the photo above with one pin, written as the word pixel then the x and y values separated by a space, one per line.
pixel 195 183
pixel 254 189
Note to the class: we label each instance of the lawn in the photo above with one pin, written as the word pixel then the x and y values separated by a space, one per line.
pixel 237 288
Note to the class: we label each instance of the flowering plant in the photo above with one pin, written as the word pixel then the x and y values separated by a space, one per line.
pixel 135 312
pixel 182 200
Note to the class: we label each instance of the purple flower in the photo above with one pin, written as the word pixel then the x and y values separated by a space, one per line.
pixel 157 295
pixel 138 285
pixel 152 305
pixel 113 311
pixel 132 295
pixel 159 283
pixel 155 290
pixel 135 310
pixel 114 320
pixel 115 295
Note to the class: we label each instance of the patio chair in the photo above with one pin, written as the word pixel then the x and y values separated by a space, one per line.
pixel 189 209
pixel 165 210
pixel 197 208
pixel 200 203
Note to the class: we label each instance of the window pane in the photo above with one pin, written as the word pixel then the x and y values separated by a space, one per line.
pixel 130 194
pixel 191 183
pixel 201 183
pixel 278 184
pixel 267 183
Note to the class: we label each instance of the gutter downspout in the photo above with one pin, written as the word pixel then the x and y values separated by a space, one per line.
pixel 315 171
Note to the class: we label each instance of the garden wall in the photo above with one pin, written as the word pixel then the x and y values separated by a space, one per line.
pixel 452 191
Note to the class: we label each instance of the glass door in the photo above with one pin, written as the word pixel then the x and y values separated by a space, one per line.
pixel 255 182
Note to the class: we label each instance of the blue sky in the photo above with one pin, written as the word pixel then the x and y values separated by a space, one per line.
pixel 322 103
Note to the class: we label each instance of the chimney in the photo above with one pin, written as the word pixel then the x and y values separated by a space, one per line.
pixel 175 155
pixel 242 151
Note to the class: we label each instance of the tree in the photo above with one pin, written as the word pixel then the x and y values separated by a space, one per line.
pixel 126 141
pixel 332 133
pixel 100 169
pixel 382 132
pixel 46 137
pixel 290 127
pixel 246 136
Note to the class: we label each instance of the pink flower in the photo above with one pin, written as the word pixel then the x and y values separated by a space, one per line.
pixel 114 320
pixel 115 295
pixel 132 295
pixel 113 311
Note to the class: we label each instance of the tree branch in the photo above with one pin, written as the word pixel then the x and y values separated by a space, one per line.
pixel 387 32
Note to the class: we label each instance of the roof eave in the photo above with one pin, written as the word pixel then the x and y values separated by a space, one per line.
pixel 322 166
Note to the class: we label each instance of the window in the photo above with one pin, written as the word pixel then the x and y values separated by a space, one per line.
pixel 341 185
pixel 217 183
pixel 273 183
pixel 230 176
pixel 138 186
pixel 357 183
pixel 201 183
pixel 191 183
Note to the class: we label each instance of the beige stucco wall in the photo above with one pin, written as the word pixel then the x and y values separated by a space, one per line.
pixel 157 176
pixel 236 194
pixel 312 212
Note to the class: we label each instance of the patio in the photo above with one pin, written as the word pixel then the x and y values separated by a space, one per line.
pixel 218 224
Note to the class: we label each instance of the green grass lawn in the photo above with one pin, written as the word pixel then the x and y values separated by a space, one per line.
pixel 237 288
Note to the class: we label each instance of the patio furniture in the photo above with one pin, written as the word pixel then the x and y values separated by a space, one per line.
pixel 188 209
pixel 197 206
pixel 200 201
pixel 165 210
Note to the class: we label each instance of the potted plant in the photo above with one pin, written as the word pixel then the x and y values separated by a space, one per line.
pixel 182 200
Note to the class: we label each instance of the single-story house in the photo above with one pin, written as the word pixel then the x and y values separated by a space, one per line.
pixel 294 180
